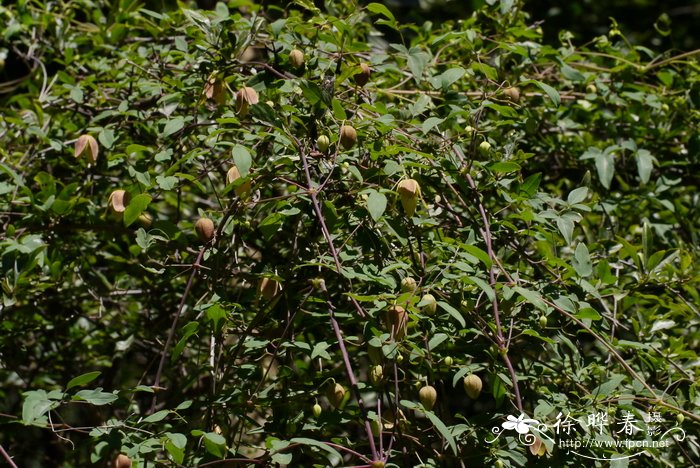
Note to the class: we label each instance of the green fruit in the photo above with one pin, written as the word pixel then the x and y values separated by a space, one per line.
pixel 335 394
pixel 485 147
pixel 680 417
pixel 498 464
pixel 408 285
pixel 430 306
pixel 472 385
pixel 448 361
pixel 376 373
pixel 377 464
pixel 317 410
pixel 543 321
pixel 322 143
pixel 428 397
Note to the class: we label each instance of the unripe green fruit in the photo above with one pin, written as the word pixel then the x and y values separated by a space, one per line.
pixel 498 464
pixel 408 285
pixel 296 58
pixel 543 321
pixel 428 396
pixel 335 394
pixel 485 147
pixel 205 229
pixel 448 361
pixel 472 385
pixel 145 220
pixel 591 89
pixel 469 130
pixel 377 464
pixel 348 136
pixel 680 417
pixel 317 410
pixel 322 143
pixel 430 306
pixel 374 425
pixel 376 373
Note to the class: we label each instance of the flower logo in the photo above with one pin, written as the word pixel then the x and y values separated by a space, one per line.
pixel 521 424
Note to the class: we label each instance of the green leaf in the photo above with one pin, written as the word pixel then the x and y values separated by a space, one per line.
pixel 417 61
pixel 242 160
pixel 582 261
pixel 551 92
pixel 453 312
pixel 443 430
pixel 96 397
pixel 156 417
pixel 334 455
pixel 376 204
pixel 577 195
pixel 83 379
pixel 608 387
pixel 166 182
pixel 645 164
pixel 381 9
pixel 532 297
pixel 136 206
pixel 173 126
pixel 504 167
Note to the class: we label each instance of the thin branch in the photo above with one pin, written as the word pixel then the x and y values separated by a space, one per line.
pixel 7 457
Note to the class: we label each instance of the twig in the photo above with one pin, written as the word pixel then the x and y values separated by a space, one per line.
pixel 173 327
pixel 7 457
pixel 334 322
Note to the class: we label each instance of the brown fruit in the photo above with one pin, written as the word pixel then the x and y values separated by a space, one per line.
pixel 215 89
pixel 429 304
pixel 268 288
pixel 233 175
pixel 87 142
pixel 362 77
pixel 427 396
pixel 296 58
pixel 348 136
pixel 118 201
pixel 395 321
pixel 512 93
pixel 335 394
pixel 205 229
pixel 409 192
pixel 472 385
pixel 245 97
pixel 122 461
pixel 145 220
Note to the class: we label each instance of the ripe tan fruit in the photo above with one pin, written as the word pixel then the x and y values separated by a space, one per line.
pixel 409 192
pixel 245 97
pixel 87 142
pixel 395 321
pixel 428 396
pixel 348 136
pixel 430 304
pixel 362 77
pixel 118 201
pixel 233 175
pixel 472 385
pixel 215 89
pixel 268 288
pixel 376 373
pixel 408 285
pixel 205 229
pixel 122 461
pixel 512 93
pixel 296 58
pixel 335 394
pixel 322 143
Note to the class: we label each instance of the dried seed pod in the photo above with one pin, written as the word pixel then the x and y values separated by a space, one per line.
pixel 215 89
pixel 472 385
pixel 335 394
pixel 87 142
pixel 296 58
pixel 205 229
pixel 409 192
pixel 537 447
pixel 122 461
pixel 512 93
pixel 268 288
pixel 233 175
pixel 322 143
pixel 395 320
pixel 429 304
pixel 317 410
pixel 245 97
pixel 118 201
pixel 408 285
pixel 376 373
pixel 348 136
pixel 427 396
pixel 362 77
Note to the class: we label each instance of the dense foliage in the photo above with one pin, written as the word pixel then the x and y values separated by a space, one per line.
pixel 324 238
